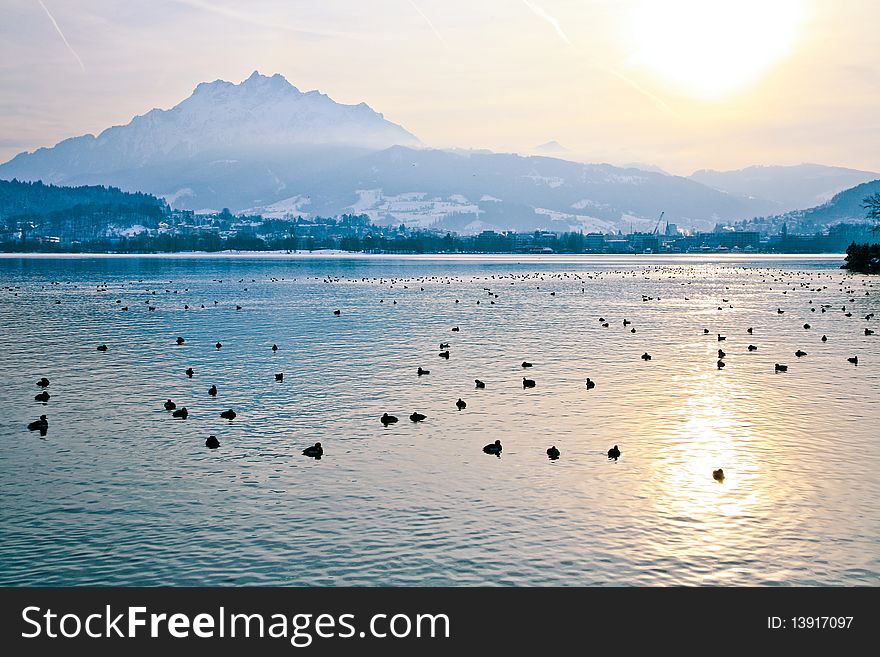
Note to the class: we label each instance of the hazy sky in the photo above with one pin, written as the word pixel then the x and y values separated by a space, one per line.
pixel 684 84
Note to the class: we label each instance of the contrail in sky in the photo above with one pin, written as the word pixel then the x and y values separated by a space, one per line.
pixel 61 34
pixel 541 13
pixel 657 100
pixel 547 17
pixel 428 21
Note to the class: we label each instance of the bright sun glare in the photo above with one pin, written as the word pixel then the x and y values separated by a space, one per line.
pixel 709 48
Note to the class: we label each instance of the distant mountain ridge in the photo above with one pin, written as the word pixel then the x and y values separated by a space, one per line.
pixel 263 146
pixel 791 187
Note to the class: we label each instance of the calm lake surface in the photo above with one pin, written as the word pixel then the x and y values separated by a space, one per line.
pixel 120 493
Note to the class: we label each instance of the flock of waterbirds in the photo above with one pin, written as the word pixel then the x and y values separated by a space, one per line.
pixel 818 283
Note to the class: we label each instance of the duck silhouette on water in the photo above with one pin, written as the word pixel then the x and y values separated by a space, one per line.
pixel 553 453
pixel 752 347
pixel 854 360
pixel 800 353
pixel 479 384
pixel 315 451
pixel 228 415
pixel 212 391
pixel 102 347
pixel 388 419
pixel 718 475
pixel 279 377
pixel 525 363
pixel 180 340
pixel 190 372
pixel 590 384
pixel 528 383
pixel 170 405
pixel 212 442
pixel 614 453
pixel 646 356
pixel 444 354
pixel 417 417
pixel 461 404
pixel 422 372
pixel 42 396
pixel 780 368
pixel 41 425
pixel 493 448
pixel 43 383
pixel 181 413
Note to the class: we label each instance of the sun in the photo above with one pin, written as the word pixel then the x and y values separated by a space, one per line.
pixel 711 48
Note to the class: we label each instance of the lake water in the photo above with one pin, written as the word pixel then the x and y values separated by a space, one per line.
pixel 120 493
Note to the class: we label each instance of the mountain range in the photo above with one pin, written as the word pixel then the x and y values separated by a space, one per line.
pixel 263 146
pixel 791 187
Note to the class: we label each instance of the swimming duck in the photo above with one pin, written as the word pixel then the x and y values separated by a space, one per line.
pixel 279 376
pixel 170 405
pixel 646 356
pixel 39 425
pixel 718 475
pixel 869 331
pixel 42 396
pixel 824 338
pixel 526 364
pixel 806 326
pixel 43 383
pixel 229 415
pixel 721 337
pixel 212 442
pixel 553 453
pixel 190 372
pixel 274 347
pixel 180 340
pixel 455 329
pixel 422 372
pixel 528 383
pixel 315 451
pixel 461 404
pixel 102 347
pixel 417 417
pixel 590 384
pixel 721 354
pixel 749 330
pixel 388 419
pixel 799 353
pixel 212 391
pixel 781 368
pixel 479 384
pixel 493 448
pixel 614 453
pixel 218 345
pixel 337 312
pixel 444 354
pixel 854 360
pixel 444 345
pixel 752 347
pixel 182 413
pixel 720 363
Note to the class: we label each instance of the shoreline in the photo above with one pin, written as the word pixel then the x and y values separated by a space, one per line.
pixel 361 255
